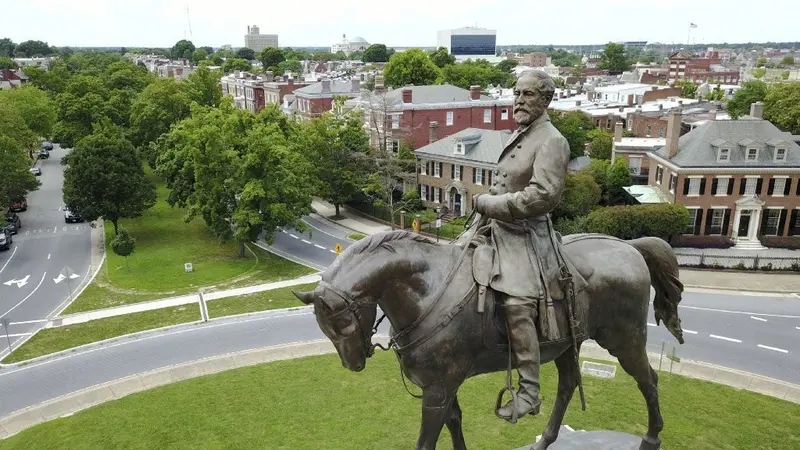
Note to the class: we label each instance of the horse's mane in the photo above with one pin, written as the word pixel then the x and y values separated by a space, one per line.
pixel 375 241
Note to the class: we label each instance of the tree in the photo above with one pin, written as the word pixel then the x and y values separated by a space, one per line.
pixel 377 53
pixel 216 59
pixel 761 62
pixel 411 67
pixel 441 57
pixel 613 58
pixel 291 65
pixel 631 222
pixel 602 143
pixel 202 86
pixel 323 56
pixel 715 95
pixel 389 175
pixel 246 53
pixel 788 60
pixel 34 107
pixel 105 178
pixel 340 56
pixel 29 49
pixel 356 56
pixel 507 65
pixel 618 177
pixel 7 63
pixel 199 55
pixel 271 56
pixel 759 73
pixel 161 104
pixel 123 244
pixel 475 73
pixel 7 47
pixel 688 89
pixel 574 126
pixel 581 194
pixel 782 106
pixel 750 92
pixel 236 64
pixel 15 138
pixel 182 49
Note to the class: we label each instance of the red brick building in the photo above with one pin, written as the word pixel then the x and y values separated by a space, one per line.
pixel 684 66
pixel 316 99
pixel 276 91
pixel 246 89
pixel 418 115
pixel 739 179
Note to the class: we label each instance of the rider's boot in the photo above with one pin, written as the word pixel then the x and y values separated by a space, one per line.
pixel 525 347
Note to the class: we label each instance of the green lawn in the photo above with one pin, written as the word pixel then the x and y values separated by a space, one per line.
pixel 313 403
pixel 164 242
pixel 52 340
pixel 356 236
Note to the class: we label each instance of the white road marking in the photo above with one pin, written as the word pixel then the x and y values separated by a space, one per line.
pixel 774 349
pixel 55 229
pixel 48 256
pixel 334 251
pixel 290 234
pixel 321 231
pixel 9 259
pixel 25 322
pixel 758 318
pixel 798 328
pixel 319 246
pixel 747 313
pixel 26 297
pixel 19 283
pixel 65 228
pixel 307 242
pixel 725 338
pixel 690 331
pixel 651 324
pixel 17 335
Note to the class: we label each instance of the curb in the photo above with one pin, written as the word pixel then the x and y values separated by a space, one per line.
pixel 71 403
pixel 743 291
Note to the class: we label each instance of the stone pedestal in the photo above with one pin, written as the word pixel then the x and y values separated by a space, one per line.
pixel 594 440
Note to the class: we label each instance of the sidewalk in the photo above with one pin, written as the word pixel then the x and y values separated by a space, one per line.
pixel 351 220
pixel 741 281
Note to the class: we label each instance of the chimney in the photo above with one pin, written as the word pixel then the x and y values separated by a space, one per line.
pixel 640 100
pixel 660 106
pixel 757 110
pixel 654 88
pixel 356 85
pixel 577 103
pixel 432 132
pixel 475 92
pixel 290 83
pixel 618 132
pixel 621 109
pixel 326 86
pixel 378 84
pixel 673 133
pixel 680 102
pixel 406 95
pixel 362 77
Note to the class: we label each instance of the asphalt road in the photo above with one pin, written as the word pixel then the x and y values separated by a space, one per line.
pixel 44 249
pixel 314 246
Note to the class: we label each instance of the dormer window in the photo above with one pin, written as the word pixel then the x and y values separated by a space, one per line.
pixel 752 154
pixel 724 154
pixel 780 154
pixel 459 148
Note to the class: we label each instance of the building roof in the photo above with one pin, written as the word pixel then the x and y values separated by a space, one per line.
pixel 338 87
pixel 646 193
pixel 698 148
pixel 484 146
pixel 443 93
pixel 358 40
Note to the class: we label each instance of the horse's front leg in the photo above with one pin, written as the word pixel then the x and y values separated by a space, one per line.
pixel 454 426
pixel 567 381
pixel 436 405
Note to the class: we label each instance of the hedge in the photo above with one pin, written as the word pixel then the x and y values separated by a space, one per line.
pixel 631 222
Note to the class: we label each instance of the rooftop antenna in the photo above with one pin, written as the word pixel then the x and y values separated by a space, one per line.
pixel 189 21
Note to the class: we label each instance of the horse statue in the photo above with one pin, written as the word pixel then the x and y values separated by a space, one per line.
pixel 442 336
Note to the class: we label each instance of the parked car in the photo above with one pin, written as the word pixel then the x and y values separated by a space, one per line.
pixel 47 146
pixel 5 238
pixel 70 217
pixel 36 171
pixel 44 154
pixel 19 205
pixel 13 222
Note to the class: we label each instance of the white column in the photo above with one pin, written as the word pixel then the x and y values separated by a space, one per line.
pixel 736 218
pixel 755 222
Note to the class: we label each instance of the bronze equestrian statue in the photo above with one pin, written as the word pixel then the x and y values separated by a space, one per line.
pixel 446 325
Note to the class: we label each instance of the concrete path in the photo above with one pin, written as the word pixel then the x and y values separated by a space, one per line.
pixel 741 281
pixel 350 220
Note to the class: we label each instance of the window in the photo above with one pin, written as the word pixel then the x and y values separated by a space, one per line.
pixel 395 146
pixel 724 154
pixel 693 213
pixel 780 154
pixel 750 186
pixel 773 218
pixel 673 180
pixel 437 195
pixel 779 187
pixel 423 167
pixel 694 186
pixel 449 118
pixel 661 132
pixel 457 172
pixel 437 169
pixel 459 148
pixel 487 116
pixel 423 191
pixel 722 186
pixel 659 174
pixel 395 122
pixel 752 154
pixel 478 176
pixel 649 130
pixel 717 217
pixel 635 165
pixel 504 114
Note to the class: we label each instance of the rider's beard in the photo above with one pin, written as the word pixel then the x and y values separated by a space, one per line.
pixel 525 115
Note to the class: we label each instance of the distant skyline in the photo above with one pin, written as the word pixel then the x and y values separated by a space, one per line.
pixel 161 23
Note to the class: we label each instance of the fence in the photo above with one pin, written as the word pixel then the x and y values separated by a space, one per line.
pixel 755 262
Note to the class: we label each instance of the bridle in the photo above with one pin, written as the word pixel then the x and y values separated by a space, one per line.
pixel 354 308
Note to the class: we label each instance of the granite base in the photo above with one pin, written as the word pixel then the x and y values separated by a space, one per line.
pixel 594 440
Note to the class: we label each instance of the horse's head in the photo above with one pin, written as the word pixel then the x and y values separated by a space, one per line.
pixel 346 322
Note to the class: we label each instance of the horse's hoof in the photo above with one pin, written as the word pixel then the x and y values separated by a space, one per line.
pixel 649 443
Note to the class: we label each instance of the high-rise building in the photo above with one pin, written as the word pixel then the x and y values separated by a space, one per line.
pixel 469 41
pixel 256 41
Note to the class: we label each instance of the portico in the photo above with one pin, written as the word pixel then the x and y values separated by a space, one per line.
pixel 455 197
pixel 747 218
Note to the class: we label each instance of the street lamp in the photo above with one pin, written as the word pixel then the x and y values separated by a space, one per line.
pixel 402 219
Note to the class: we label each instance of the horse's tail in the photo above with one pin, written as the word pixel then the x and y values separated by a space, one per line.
pixel 663 266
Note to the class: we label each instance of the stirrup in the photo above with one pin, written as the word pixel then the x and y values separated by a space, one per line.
pixel 514 402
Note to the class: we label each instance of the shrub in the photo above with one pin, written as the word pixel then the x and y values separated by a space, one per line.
pixel 631 222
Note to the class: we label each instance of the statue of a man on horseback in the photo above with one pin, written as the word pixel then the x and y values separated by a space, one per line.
pixel 514 220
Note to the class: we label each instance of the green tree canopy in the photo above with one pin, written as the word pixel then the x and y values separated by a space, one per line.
pixel 412 66
pixel 618 177
pixel 631 222
pixel 105 178
pixel 161 104
pixel 7 47
pixel 613 58
pixel 788 60
pixel 377 53
pixel 15 140
pixel 574 126
pixel 34 107
pixel 182 49
pixel 29 49
pixel 602 143
pixel 246 53
pixel 750 92
pixel 507 65
pixel 291 65
pixel 581 194
pixel 441 57
pixel 476 73
pixel 688 89
pixel 123 243
pixel 199 56
pixel 7 63
pixel 782 106
pixel 300 55
pixel 236 64
pixel 202 86
pixel 271 56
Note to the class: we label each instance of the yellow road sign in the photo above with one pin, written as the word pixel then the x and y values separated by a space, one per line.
pixel 338 248
pixel 415 225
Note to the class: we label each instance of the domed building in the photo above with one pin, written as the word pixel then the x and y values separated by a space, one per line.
pixel 348 46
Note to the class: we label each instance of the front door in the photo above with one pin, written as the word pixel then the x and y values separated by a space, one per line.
pixel 457 205
pixel 744 224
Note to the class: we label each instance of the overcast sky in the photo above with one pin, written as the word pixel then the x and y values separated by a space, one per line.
pixel 160 23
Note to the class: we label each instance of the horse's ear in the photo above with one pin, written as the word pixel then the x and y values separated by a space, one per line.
pixel 305 297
